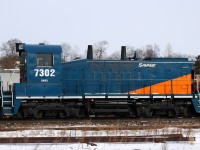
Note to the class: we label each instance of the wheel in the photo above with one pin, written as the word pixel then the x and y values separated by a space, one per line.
pixel 170 113
pixel 62 114
pixel 149 113
pixel 38 114
pixel 187 112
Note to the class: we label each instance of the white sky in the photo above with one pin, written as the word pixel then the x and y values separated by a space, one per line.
pixel 120 22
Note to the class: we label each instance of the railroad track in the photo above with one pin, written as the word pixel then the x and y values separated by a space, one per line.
pixel 99 124
pixel 111 125
pixel 94 139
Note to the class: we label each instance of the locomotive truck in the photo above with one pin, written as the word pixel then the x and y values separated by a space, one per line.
pixel 81 88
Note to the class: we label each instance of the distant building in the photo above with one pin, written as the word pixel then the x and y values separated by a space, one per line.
pixel 9 76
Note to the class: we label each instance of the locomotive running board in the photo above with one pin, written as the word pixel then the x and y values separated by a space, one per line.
pixel 49 97
pixel 108 96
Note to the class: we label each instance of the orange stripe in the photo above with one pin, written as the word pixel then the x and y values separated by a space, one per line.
pixel 181 85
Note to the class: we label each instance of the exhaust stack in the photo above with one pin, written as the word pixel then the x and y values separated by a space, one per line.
pixel 90 52
pixel 123 53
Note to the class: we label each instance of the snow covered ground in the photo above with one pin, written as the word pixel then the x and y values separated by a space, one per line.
pixel 105 146
pixel 190 145
pixel 81 133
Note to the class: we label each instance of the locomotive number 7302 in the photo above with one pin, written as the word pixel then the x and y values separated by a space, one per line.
pixel 45 72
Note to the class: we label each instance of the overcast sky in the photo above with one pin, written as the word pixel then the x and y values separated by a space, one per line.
pixel 120 22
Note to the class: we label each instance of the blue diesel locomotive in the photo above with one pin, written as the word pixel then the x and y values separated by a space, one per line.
pixel 80 88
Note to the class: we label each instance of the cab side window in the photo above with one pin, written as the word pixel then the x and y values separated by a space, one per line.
pixel 44 60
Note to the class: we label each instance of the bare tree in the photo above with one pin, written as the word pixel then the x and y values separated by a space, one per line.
pixel 168 51
pixel 68 52
pixel 171 54
pixel 9 54
pixel 179 55
pixel 139 53
pixel 8 48
pixel 131 52
pixel 151 51
pixel 114 56
pixel 8 62
pixel 100 49
pixel 66 48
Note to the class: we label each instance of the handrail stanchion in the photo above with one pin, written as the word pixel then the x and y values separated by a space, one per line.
pixel 1 92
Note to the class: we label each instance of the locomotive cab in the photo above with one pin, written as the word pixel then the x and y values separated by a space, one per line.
pixel 40 70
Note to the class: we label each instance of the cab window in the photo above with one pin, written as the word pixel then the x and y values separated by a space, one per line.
pixel 44 59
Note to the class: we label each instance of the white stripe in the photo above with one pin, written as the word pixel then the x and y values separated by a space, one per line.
pixel 184 96
pixel 22 97
pixel 72 97
pixel 52 97
pixel 38 97
pixel 159 96
pixel 168 96
pixel 35 97
pixel 152 61
pixel 94 96
pixel 136 97
pixel 117 96
pixel 49 97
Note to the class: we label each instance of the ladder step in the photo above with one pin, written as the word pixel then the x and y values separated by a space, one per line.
pixel 7 103
pixel 7 110
pixel 7 96
pixel 7 100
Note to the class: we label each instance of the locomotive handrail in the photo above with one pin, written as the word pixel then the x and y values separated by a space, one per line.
pixel 11 86
pixel 12 95
pixel 1 92
pixel 198 93
pixel 197 87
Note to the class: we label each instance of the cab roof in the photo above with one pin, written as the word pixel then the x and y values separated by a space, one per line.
pixel 38 48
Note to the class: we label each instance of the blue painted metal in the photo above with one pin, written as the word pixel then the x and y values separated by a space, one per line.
pixel 35 48
pixel 98 76
pixel 196 104
pixel 31 51
pixel 20 89
pixel 17 104
pixel 41 83
pixel 43 89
